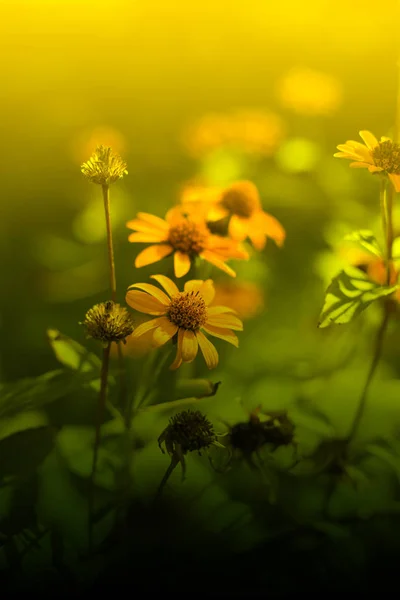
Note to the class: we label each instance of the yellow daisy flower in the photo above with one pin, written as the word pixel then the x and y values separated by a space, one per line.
pixel 184 315
pixel 241 202
pixel 186 237
pixel 378 157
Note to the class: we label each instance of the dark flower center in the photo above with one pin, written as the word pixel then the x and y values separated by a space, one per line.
pixel 387 156
pixel 188 310
pixel 188 237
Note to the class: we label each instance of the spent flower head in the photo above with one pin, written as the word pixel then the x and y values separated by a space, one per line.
pixel 190 430
pixel 104 166
pixel 108 322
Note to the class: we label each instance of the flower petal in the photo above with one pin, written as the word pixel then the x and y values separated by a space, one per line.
pixel 147 326
pixel 175 215
pixel 374 169
pixel 152 254
pixel 368 138
pixel 178 358
pixel 144 227
pixel 238 228
pixel 271 227
pixel 164 332
pixel 169 286
pixel 225 320
pixel 215 213
pixel 212 258
pixel 153 220
pixel 359 165
pixel 182 264
pixel 223 334
pixel 208 349
pixel 145 237
pixel 189 346
pixel 153 291
pixel 395 179
pixel 144 303
pixel 258 239
pixel 205 288
pixel 219 310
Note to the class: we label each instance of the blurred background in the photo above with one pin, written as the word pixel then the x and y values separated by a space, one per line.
pixel 200 92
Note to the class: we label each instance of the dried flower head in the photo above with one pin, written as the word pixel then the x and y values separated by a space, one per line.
pixel 187 431
pixel 104 167
pixel 108 322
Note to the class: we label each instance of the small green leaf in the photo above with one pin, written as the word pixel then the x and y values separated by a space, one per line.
pixel 197 388
pixel 21 422
pixel 348 295
pixel 71 354
pixel 366 239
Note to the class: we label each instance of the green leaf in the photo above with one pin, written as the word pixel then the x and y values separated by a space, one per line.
pixel 348 295
pixel 21 422
pixel 386 455
pixel 366 239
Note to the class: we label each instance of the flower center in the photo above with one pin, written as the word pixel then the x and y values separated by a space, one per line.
pixel 187 310
pixel 188 237
pixel 387 156
pixel 241 201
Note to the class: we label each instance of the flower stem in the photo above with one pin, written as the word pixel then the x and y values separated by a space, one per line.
pixel 387 223
pixel 113 281
pixel 100 413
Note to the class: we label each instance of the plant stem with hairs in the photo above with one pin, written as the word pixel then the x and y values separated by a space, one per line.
pixel 100 414
pixel 386 202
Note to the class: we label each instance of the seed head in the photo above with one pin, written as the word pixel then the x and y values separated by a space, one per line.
pixel 190 430
pixel 104 167
pixel 108 322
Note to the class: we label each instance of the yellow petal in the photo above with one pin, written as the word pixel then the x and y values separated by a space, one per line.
pixel 164 332
pixel 153 220
pixel 152 254
pixel 145 327
pixel 144 303
pixel 153 291
pixel 215 213
pixel 359 165
pixel 238 228
pixel 224 334
pixel 212 258
pixel 395 179
pixel 167 283
pixel 344 155
pixel 181 264
pixel 178 358
pixel 189 346
pixel 225 320
pixel 218 310
pixel 385 139
pixel 205 288
pixel 270 226
pixel 258 239
pixel 208 349
pixel 374 169
pixel 369 139
pixel 175 215
pixel 146 237
pixel 144 227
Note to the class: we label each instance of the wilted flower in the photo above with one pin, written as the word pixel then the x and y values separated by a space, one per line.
pixel 309 92
pixel 378 157
pixel 184 315
pixel 104 167
pixel 108 322
pixel 186 238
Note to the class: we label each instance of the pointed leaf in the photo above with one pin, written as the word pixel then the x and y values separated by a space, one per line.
pixel 366 239
pixel 348 295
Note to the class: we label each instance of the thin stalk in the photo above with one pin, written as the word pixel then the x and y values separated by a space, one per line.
pixel 100 413
pixel 113 281
pixel 387 224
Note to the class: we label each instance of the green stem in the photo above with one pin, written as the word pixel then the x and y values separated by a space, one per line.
pixel 100 413
pixel 113 281
pixel 387 223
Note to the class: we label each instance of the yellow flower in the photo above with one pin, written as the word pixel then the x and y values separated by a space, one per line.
pixel 378 157
pixel 184 315
pixel 241 202
pixel 104 167
pixel 186 237
pixel 309 92
pixel 245 297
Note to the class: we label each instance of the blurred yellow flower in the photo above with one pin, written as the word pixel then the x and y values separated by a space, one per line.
pixel 309 92
pixel 245 297
pixel 253 131
pixel 240 201
pixel 183 316
pixel 378 157
pixel 186 238
pixel 104 166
